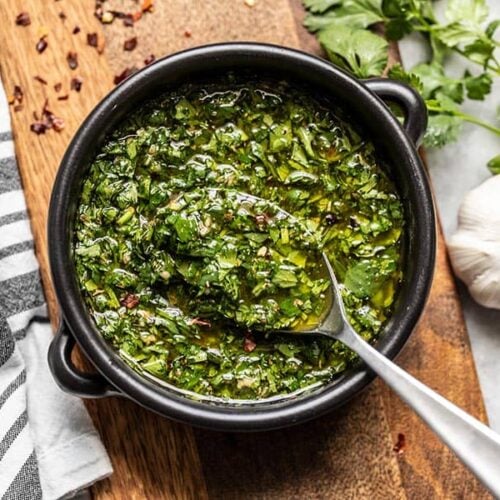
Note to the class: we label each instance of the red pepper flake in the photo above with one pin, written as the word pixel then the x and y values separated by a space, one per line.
pixel 76 83
pixel 42 44
pixel 72 59
pixel 400 445
pixel 201 322
pixel 147 5
pixel 248 344
pixel 129 301
pixel 187 33
pixel 92 39
pixel 128 21
pixel 58 87
pixel 63 97
pixel 40 79
pixel 23 19
pixel 18 94
pixel 62 16
pixel 150 59
pixel 48 120
pixel 123 75
pixel 57 123
pixel 38 128
pixel 130 44
pixel 17 98
pixel 76 30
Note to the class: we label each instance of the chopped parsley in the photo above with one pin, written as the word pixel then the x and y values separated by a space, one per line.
pixel 200 228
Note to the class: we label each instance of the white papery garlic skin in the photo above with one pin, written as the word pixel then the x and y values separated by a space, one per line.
pixel 475 248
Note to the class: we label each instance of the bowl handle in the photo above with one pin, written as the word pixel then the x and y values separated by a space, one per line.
pixel 408 99
pixel 67 376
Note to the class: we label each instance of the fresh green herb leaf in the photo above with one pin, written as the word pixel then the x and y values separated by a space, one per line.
pixel 356 50
pixel 320 6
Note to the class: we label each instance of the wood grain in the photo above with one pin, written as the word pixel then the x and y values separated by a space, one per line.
pixel 348 454
pixel 152 457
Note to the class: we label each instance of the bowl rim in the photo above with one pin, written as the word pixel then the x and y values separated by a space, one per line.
pixel 104 357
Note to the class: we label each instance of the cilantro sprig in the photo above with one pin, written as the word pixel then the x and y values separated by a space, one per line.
pixel 349 30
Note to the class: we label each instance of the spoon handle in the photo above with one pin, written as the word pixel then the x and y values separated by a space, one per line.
pixel 475 444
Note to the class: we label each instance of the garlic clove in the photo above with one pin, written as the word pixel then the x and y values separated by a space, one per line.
pixel 475 248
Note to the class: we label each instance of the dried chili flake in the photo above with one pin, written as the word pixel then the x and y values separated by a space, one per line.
pixel 62 16
pixel 57 123
pixel 249 344
pixel 16 98
pixel 187 33
pixel 400 445
pixel 201 322
pixel 128 21
pixel 130 44
pixel 123 75
pixel 18 94
pixel 23 19
pixel 76 30
pixel 40 79
pixel 129 301
pixel 136 16
pixel 47 121
pixel 76 83
pixel 42 44
pixel 151 58
pixel 92 39
pixel 38 128
pixel 58 87
pixel 72 59
pixel 63 97
pixel 147 5
pixel 18 107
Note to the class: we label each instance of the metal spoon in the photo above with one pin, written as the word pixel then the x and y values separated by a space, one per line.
pixel 475 444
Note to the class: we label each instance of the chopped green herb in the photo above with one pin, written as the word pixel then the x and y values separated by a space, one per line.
pixel 187 257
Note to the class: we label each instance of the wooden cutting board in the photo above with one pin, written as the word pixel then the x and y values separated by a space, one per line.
pixel 348 454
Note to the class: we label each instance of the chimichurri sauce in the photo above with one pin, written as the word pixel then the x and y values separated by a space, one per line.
pixel 187 257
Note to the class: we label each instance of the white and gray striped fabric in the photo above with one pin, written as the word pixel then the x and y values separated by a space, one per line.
pixel 48 446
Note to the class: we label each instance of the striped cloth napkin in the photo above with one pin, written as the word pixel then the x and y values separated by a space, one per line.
pixel 48 446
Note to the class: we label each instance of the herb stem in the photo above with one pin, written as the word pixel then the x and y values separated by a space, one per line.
pixel 476 121
pixel 465 117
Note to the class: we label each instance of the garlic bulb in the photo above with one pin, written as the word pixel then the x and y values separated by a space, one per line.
pixel 475 247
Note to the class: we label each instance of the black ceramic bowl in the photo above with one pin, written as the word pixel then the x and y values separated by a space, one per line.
pixel 363 102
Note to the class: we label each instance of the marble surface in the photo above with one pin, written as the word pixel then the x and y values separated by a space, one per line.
pixel 455 170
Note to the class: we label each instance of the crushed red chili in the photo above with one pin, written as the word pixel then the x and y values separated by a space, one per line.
pixel 63 97
pixel 76 83
pixel 92 39
pixel 18 94
pixel 248 344
pixel 130 44
pixel 72 59
pixel 400 445
pixel 40 79
pixel 129 301
pixel 150 59
pixel 42 44
pixel 58 86
pixel 76 30
pixel 23 19
pixel 123 75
